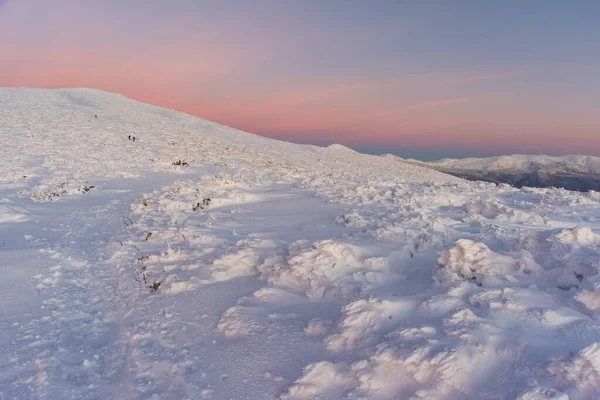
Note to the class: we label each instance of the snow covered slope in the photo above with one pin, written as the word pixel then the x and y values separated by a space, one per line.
pixel 522 162
pixel 81 135
pixel 573 172
pixel 201 262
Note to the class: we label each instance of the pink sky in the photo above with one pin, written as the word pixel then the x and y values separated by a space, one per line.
pixel 299 76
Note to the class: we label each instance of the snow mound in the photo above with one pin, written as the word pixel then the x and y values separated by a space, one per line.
pixel 340 148
pixel 579 375
pixel 476 262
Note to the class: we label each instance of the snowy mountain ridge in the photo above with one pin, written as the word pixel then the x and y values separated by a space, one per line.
pixel 202 262
pixel 523 162
pixel 573 172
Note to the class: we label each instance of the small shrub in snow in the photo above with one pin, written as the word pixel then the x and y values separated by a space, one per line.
pixel 422 241
pixel 352 219
pixel 142 277
pixel 202 205
pixel 154 286
pixel 51 191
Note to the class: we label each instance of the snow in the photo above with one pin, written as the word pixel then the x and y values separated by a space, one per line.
pixel 573 172
pixel 520 162
pixel 202 262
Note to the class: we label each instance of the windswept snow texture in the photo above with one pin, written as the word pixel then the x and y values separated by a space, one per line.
pixel 201 262
pixel 572 172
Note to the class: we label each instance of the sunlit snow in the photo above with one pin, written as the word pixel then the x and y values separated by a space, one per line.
pixel 201 262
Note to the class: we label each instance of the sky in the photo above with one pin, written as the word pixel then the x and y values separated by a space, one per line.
pixel 426 79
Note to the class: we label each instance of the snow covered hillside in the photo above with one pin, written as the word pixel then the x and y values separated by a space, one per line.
pixel 522 162
pixel 572 172
pixel 201 262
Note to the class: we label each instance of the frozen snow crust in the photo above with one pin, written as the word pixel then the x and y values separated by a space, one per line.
pixel 201 262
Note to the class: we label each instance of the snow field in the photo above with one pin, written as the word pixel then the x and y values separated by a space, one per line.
pixel 264 270
pixel 414 312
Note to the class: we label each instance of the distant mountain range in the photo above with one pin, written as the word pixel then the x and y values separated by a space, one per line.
pixel 571 172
